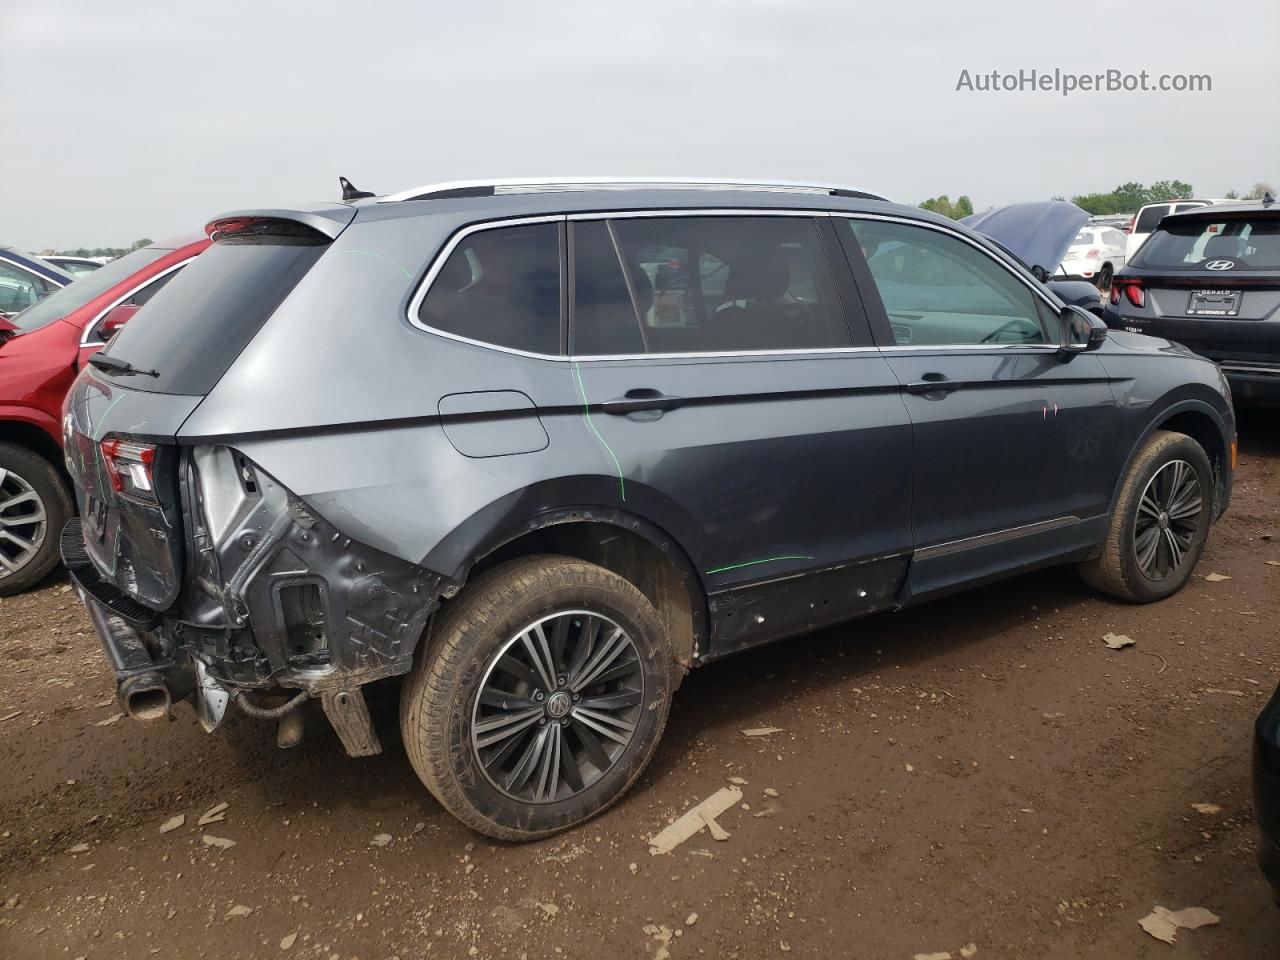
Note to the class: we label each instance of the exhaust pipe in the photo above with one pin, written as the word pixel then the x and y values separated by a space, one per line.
pixel 145 697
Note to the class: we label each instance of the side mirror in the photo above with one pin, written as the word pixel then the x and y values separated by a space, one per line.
pixel 116 318
pixel 1080 331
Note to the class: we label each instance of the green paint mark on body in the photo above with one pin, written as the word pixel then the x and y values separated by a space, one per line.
pixel 752 563
pixel 586 415
pixel 378 256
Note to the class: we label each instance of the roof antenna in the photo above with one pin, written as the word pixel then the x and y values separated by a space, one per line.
pixel 1268 198
pixel 349 191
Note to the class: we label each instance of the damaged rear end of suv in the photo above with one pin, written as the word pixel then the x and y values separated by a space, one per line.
pixel 541 447
pixel 204 576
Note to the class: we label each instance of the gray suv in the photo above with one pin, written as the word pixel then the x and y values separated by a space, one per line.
pixel 538 449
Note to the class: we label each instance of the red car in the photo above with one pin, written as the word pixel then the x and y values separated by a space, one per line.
pixel 41 350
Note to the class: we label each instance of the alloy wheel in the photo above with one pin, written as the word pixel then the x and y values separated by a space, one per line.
pixel 557 707
pixel 1168 515
pixel 23 524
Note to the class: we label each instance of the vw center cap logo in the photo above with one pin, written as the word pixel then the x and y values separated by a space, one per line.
pixel 1219 264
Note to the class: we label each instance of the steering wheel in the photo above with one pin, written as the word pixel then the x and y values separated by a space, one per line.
pixel 1015 322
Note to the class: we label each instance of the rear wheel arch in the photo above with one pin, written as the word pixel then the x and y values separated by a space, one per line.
pixel 634 548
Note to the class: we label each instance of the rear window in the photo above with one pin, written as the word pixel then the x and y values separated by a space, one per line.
pixel 1084 236
pixel 1249 244
pixel 194 328
pixel 1149 217
pixel 76 295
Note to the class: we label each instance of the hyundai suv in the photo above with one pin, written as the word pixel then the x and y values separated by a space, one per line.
pixel 1209 278
pixel 538 449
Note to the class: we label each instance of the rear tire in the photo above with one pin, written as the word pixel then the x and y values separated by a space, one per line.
pixel 1159 524
pixel 1104 278
pixel 34 507
pixel 600 644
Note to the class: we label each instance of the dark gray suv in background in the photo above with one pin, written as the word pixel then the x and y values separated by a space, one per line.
pixel 540 448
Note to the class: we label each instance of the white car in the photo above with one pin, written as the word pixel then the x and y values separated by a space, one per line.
pixel 1095 254
pixel 1150 215
pixel 76 266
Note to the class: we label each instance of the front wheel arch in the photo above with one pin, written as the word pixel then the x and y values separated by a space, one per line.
pixel 1197 419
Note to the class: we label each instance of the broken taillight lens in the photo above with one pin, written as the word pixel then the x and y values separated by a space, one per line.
pixel 131 467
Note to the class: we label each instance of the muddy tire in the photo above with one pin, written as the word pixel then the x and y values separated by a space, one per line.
pixel 540 697
pixel 1159 524
pixel 34 507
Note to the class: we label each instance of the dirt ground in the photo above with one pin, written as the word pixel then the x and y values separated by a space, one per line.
pixel 981 771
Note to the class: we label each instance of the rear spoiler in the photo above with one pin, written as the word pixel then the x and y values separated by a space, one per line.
pixel 329 219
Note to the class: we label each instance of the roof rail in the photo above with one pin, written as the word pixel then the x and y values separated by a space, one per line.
pixel 493 188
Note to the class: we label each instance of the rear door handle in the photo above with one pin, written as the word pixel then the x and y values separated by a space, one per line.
pixel 933 383
pixel 639 400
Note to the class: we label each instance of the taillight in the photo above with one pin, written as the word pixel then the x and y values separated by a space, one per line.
pixel 1092 254
pixel 131 467
pixel 1132 289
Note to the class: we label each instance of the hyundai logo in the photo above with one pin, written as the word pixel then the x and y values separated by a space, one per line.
pixel 1219 264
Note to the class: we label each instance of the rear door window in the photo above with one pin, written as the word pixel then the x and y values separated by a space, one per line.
pixel 501 287
pixel 20 289
pixel 665 285
pixel 939 290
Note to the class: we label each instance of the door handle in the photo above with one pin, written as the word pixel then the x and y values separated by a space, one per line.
pixel 933 383
pixel 639 400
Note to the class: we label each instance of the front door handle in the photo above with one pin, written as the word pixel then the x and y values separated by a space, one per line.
pixel 639 400
pixel 933 383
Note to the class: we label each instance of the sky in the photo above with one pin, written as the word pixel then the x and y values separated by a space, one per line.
pixel 126 119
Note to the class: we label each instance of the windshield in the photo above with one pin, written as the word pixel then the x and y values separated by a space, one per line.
pixel 77 294
pixel 1247 243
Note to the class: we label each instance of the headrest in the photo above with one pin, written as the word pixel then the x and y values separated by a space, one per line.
pixel 759 278
pixel 1222 247
pixel 642 287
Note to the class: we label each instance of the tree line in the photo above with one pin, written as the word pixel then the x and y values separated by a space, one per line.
pixel 1126 198
pixel 101 251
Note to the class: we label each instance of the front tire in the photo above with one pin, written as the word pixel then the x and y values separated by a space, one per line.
pixel 540 699
pixel 1160 522
pixel 34 507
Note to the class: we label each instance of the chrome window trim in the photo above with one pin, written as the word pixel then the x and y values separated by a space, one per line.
pixel 524 185
pixel 437 264
pixel 92 324
pixel 976 347
pixel 940 228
